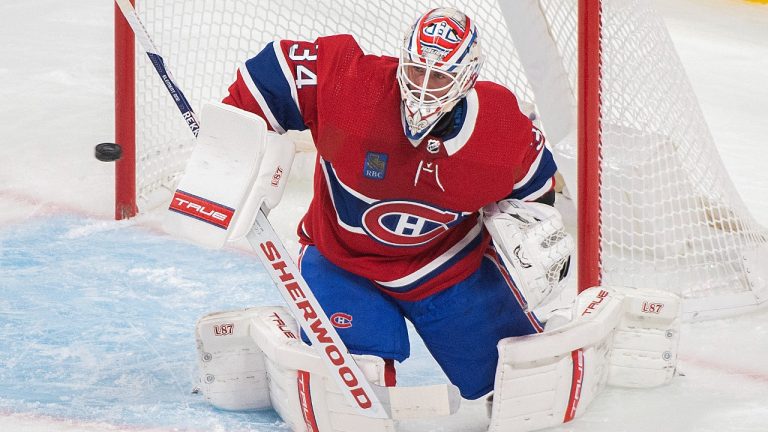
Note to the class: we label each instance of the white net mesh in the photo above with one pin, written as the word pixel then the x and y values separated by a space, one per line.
pixel 672 218
pixel 204 40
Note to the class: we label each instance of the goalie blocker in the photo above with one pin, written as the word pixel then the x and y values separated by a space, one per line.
pixel 236 168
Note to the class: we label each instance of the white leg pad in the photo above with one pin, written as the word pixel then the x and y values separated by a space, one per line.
pixel 618 337
pixel 233 374
pixel 645 344
pixel 300 389
pixel 254 359
pixel 546 379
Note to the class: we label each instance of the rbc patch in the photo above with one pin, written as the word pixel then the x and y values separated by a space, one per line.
pixel 375 165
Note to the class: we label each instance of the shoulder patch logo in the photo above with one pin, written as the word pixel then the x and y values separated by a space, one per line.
pixel 375 165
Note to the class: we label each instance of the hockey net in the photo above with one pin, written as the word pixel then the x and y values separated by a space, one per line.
pixel 671 218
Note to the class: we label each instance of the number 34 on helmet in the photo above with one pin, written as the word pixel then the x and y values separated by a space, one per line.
pixel 439 62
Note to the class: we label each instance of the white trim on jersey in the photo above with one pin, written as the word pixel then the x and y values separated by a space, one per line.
pixel 539 192
pixel 243 69
pixel 287 73
pixel 531 171
pixel 437 262
pixel 304 230
pixel 456 143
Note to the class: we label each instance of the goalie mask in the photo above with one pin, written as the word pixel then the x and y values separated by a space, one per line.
pixel 439 62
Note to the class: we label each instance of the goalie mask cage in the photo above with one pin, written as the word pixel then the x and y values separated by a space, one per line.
pixel 656 208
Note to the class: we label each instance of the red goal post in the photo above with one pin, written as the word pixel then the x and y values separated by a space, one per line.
pixel 656 207
pixel 125 117
pixel 588 130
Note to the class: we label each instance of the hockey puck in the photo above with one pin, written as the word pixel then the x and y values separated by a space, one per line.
pixel 108 152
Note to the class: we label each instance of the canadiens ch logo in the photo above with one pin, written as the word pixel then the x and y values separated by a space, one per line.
pixel 444 31
pixel 405 223
pixel 341 320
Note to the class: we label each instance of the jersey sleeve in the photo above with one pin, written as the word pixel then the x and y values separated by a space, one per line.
pixel 279 84
pixel 539 169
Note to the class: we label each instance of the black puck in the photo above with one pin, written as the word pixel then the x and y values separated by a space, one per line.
pixel 108 152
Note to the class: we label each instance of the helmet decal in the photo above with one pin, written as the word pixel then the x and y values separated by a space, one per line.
pixel 440 37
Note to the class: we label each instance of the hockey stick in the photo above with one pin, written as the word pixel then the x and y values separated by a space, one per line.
pixel 153 53
pixel 401 402
pixel 273 255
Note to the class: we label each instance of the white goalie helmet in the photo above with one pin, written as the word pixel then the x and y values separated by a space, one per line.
pixel 439 63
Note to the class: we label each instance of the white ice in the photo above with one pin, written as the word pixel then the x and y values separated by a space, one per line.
pixel 56 103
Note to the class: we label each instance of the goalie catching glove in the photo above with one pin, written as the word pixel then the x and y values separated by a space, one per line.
pixel 534 246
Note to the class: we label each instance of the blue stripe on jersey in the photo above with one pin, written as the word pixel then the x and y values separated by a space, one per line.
pixel 471 246
pixel 349 208
pixel 266 73
pixel 544 172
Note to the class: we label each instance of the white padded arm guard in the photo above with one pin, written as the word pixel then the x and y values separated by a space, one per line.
pixel 235 168
pixel 618 337
pixel 534 246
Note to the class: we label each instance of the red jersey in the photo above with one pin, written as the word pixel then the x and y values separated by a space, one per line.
pixel 405 217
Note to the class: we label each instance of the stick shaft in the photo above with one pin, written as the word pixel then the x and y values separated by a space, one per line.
pixel 157 61
pixel 304 306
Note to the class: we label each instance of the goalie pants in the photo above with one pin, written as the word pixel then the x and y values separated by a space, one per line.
pixel 460 325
